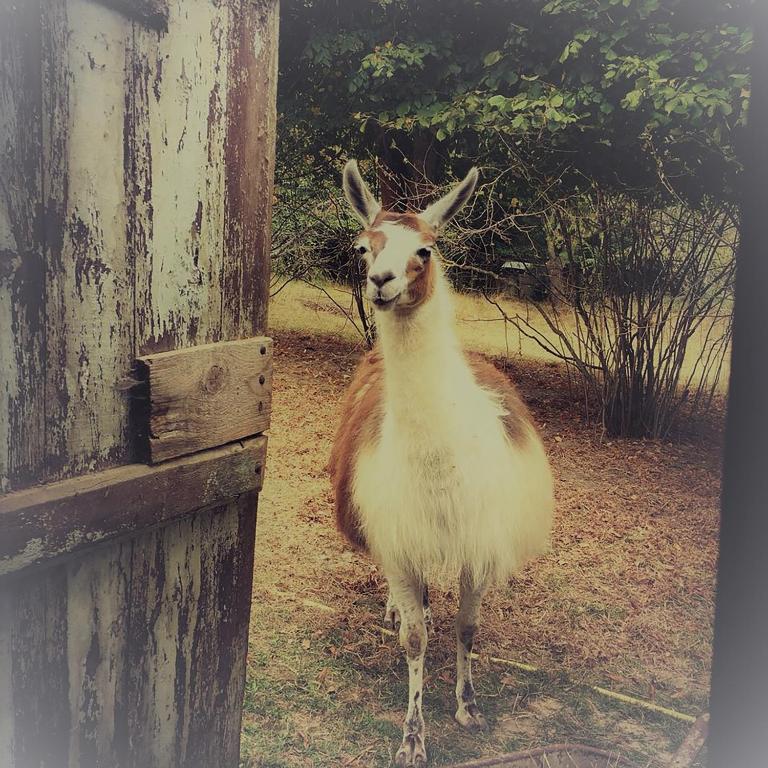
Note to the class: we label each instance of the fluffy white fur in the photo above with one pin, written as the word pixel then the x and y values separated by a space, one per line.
pixel 444 489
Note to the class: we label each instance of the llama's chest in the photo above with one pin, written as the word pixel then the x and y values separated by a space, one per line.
pixel 442 488
pixel 437 458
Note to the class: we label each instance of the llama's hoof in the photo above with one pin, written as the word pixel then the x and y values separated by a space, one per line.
pixel 412 751
pixel 470 717
pixel 392 618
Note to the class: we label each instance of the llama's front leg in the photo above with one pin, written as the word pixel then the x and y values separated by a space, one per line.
pixel 391 613
pixel 406 593
pixel 427 609
pixel 468 713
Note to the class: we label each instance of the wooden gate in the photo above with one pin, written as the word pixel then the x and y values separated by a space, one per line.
pixel 136 163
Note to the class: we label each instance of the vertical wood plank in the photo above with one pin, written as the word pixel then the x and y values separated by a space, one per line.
pixel 6 678
pixel 190 602
pixel 163 600
pixel 220 646
pixel 65 640
pixel 22 306
pixel 175 150
pixel 250 120
pixel 89 274
pixel 38 668
pixel 97 649
pixel 191 585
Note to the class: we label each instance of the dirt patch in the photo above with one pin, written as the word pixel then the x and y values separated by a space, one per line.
pixel 624 599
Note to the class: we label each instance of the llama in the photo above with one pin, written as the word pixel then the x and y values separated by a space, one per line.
pixel 438 471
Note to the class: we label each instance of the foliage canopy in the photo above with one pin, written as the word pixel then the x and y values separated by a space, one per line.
pixel 616 89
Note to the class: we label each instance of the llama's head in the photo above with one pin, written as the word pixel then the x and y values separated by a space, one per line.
pixel 398 249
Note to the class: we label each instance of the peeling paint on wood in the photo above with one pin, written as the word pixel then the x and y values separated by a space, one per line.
pixel 132 654
pixel 191 645
pixel 22 308
pixel 140 214
pixel 97 650
pixel 137 160
pixel 176 146
pixel 89 276
pixel 249 164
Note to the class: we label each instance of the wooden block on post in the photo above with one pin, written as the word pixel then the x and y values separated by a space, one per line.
pixel 207 396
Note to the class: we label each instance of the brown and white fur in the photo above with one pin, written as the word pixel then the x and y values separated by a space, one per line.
pixel 437 468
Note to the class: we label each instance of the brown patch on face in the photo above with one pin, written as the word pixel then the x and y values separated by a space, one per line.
pixel 361 415
pixel 377 239
pixel 518 418
pixel 411 220
pixel 421 281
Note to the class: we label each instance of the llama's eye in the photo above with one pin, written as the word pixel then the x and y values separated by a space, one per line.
pixel 424 253
pixel 361 250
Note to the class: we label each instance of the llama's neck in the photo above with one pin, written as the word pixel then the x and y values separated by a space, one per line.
pixel 423 362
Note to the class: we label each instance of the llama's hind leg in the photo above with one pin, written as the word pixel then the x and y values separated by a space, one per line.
pixel 468 713
pixel 407 595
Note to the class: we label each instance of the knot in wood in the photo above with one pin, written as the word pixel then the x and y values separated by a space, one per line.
pixel 215 379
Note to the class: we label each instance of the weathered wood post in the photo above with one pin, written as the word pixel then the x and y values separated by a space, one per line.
pixel 136 163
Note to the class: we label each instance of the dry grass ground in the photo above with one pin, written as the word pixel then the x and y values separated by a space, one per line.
pixel 624 600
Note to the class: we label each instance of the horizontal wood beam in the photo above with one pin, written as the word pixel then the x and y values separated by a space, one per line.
pixel 51 520
pixel 205 396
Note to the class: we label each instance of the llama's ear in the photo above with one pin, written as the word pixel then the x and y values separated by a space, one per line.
pixel 444 209
pixel 364 204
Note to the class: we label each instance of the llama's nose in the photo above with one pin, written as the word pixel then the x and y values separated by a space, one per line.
pixel 382 277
